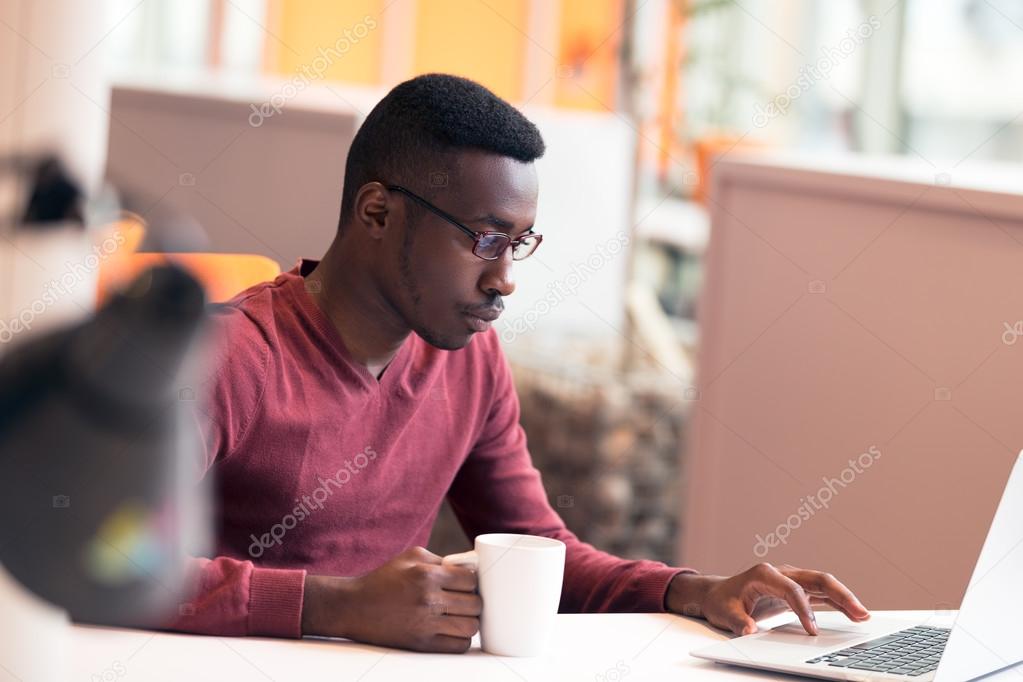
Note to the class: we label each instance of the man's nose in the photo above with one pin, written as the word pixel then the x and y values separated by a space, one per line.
pixel 497 278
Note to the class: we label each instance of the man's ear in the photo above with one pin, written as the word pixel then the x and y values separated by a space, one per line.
pixel 372 209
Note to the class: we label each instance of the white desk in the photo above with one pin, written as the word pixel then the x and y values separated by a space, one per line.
pixel 605 648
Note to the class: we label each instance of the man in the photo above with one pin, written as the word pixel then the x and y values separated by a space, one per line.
pixel 358 392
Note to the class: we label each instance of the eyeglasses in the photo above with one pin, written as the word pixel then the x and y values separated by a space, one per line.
pixel 487 245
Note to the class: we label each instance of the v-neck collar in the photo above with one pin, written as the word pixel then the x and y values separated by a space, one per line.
pixel 395 369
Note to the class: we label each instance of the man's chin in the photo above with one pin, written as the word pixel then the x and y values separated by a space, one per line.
pixel 446 341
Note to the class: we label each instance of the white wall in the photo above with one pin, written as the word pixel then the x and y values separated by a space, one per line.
pixel 53 93
pixel 53 97
pixel 574 286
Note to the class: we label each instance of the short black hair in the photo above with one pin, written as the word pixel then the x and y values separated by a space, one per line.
pixel 423 119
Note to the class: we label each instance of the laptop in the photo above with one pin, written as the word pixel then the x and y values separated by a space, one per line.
pixel 983 638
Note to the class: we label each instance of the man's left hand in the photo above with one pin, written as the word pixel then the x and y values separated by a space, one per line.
pixel 737 603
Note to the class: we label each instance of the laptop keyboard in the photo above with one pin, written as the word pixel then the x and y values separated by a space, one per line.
pixel 911 652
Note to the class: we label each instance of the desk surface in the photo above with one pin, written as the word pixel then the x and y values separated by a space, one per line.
pixel 605 647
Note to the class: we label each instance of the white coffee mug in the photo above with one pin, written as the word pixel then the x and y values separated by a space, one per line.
pixel 520 584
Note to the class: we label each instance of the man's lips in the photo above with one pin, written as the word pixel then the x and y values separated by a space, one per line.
pixel 488 314
pixel 481 318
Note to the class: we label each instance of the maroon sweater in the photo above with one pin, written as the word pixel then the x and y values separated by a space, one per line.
pixel 319 467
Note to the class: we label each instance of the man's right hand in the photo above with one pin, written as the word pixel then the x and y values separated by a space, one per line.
pixel 411 602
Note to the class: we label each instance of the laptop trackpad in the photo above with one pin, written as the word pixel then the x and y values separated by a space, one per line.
pixel 793 633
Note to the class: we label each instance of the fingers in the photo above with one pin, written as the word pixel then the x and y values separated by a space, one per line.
pixel 446 644
pixel 468 559
pixel 463 604
pixel 458 626
pixel 821 600
pixel 457 579
pixel 825 584
pixel 769 606
pixel 775 584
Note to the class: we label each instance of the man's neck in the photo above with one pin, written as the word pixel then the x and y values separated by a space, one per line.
pixel 368 325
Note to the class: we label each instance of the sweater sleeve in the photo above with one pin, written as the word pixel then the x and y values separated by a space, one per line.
pixel 229 597
pixel 223 595
pixel 498 490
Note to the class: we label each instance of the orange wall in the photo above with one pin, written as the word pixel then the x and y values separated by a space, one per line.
pixel 589 39
pixel 486 41
pixel 340 41
pixel 483 41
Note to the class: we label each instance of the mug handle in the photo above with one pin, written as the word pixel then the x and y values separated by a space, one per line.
pixel 468 559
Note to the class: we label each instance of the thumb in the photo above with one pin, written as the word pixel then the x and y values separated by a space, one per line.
pixel 731 616
pixel 740 622
pixel 422 555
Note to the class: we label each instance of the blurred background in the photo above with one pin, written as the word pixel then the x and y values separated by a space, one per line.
pixel 777 235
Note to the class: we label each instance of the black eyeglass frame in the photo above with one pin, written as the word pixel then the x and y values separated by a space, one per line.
pixel 477 237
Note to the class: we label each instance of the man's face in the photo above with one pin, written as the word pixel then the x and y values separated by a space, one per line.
pixel 444 292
